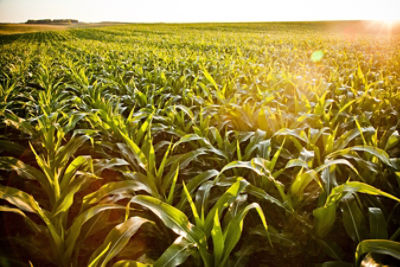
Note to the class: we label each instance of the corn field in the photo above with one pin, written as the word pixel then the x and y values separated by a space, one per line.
pixel 216 145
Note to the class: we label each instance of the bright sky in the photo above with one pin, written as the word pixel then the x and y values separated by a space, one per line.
pixel 198 10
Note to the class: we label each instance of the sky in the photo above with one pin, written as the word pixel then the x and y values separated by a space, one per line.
pixel 198 10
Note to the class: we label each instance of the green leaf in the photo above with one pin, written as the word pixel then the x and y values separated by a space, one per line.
pixel 345 106
pixel 210 78
pixel 186 158
pixel 67 197
pixel 188 139
pixel 195 137
pixel 160 170
pixel 100 254
pixel 296 163
pixel 186 110
pixel 172 189
pixel 130 263
pixel 26 171
pixel 234 229
pixel 377 224
pixel 392 141
pixel 102 164
pixel 20 199
pixel 353 187
pixel 324 219
pixel 350 135
pixel 74 230
pixel 377 152
pixel 251 165
pixel 378 246
pixel 72 168
pixel 142 97
pixel 195 182
pixel 331 249
pixel 329 163
pixel 173 218
pixel 196 216
pixel 238 151
pixel 218 240
pixel 290 132
pixel 116 240
pixel 176 254
pixel 326 215
pixel 69 149
pixel 301 181
pixel 137 152
pixel 354 220
pixel 260 193
pixel 224 201
pixel 151 156
pixel 276 156
pixel 27 203
pixel 144 128
pixel 112 188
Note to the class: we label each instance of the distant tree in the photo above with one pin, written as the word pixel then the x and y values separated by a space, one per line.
pixel 53 22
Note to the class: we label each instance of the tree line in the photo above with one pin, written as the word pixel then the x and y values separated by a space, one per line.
pixel 50 21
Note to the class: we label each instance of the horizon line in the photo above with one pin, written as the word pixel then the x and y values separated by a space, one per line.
pixel 203 22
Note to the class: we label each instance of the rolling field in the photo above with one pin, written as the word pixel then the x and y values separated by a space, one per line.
pixel 24 28
pixel 259 144
pixel 17 28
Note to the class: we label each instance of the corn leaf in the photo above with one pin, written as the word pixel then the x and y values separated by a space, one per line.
pixel 116 240
pixel 377 246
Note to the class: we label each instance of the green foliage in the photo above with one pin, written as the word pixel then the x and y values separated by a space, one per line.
pixel 168 145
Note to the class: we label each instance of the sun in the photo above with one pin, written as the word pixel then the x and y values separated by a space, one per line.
pixel 383 26
pixel 389 23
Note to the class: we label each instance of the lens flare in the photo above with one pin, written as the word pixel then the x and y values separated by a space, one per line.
pixel 317 56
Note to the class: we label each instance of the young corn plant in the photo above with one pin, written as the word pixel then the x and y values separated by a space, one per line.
pixel 376 240
pixel 60 175
pixel 207 239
